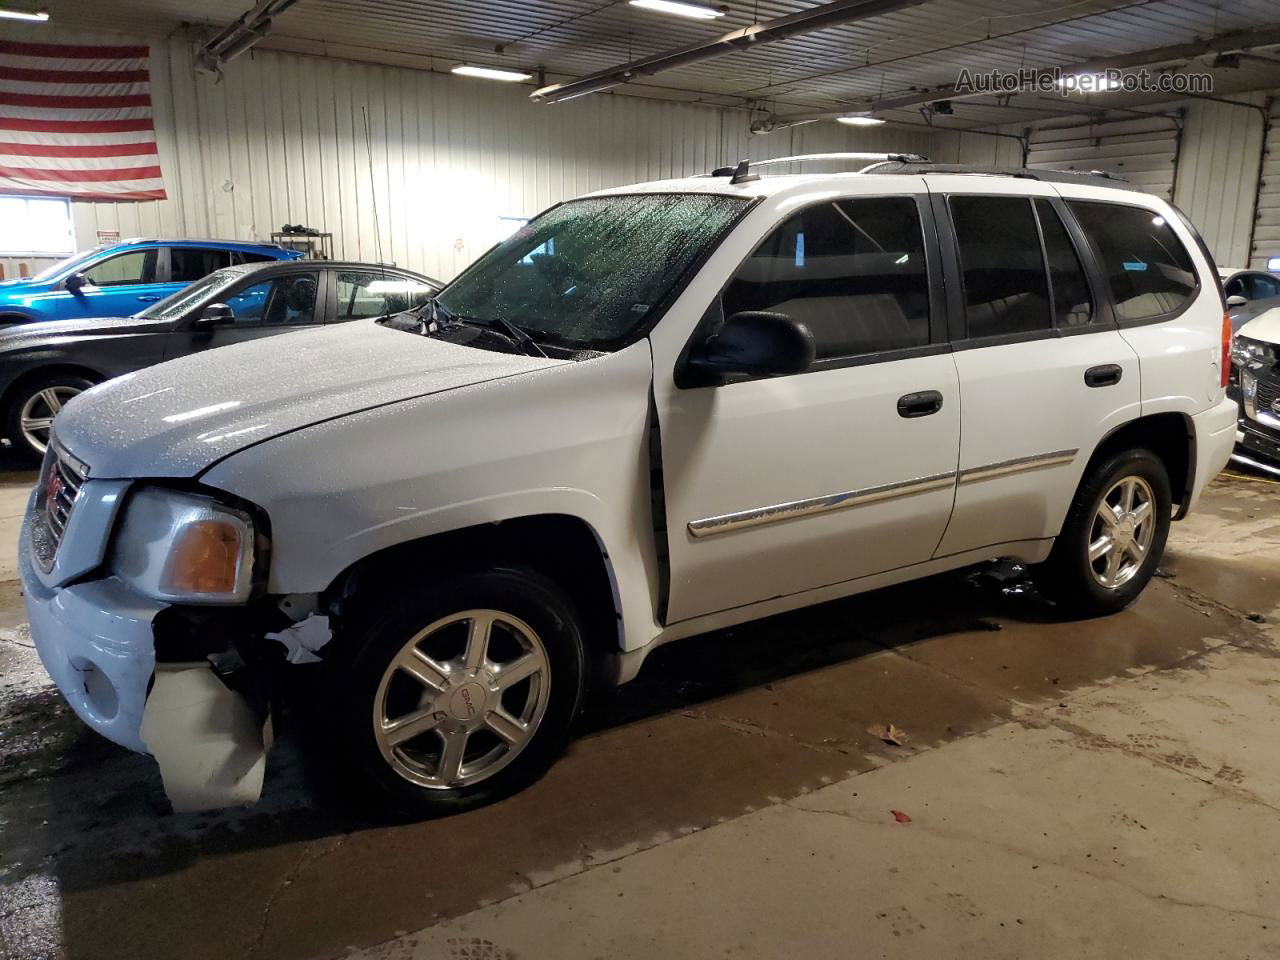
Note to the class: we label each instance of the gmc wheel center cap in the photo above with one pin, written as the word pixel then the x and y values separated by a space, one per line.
pixel 1125 530
pixel 466 703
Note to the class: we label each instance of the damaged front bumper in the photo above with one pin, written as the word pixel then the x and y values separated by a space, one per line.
pixel 97 640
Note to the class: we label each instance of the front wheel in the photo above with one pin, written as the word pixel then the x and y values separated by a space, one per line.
pixel 33 405
pixel 1113 537
pixel 460 694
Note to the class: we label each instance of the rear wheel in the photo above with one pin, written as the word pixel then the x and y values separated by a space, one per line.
pixel 34 403
pixel 460 694
pixel 1113 537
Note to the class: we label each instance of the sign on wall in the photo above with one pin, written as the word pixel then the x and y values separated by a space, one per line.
pixel 76 121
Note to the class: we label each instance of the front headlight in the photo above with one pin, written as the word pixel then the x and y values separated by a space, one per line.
pixel 184 547
pixel 1252 354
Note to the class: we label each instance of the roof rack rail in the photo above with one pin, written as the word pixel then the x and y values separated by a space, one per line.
pixel 741 173
pixel 895 165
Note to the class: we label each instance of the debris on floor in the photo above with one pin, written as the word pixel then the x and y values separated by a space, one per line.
pixel 900 816
pixel 889 733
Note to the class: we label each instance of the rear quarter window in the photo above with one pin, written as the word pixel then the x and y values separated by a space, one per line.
pixel 1148 270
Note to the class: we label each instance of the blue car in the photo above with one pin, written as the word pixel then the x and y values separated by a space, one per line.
pixel 119 279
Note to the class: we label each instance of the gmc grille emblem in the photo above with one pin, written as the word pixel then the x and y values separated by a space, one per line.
pixel 52 486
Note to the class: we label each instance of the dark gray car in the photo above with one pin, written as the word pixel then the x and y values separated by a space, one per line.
pixel 43 365
pixel 1250 293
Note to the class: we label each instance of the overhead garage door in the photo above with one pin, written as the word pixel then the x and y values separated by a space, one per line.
pixel 1266 226
pixel 1143 150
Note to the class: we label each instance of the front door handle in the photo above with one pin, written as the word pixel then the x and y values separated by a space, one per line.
pixel 1106 375
pixel 919 404
pixel 148 298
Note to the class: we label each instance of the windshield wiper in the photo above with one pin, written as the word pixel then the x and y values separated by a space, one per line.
pixel 522 339
pixel 433 314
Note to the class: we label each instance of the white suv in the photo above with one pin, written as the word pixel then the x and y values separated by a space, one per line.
pixel 652 412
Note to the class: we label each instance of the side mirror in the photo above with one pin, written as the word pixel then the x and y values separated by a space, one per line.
pixel 1235 300
pixel 75 282
pixel 215 315
pixel 752 344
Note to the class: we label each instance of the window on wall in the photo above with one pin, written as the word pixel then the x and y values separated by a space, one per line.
pixel 35 226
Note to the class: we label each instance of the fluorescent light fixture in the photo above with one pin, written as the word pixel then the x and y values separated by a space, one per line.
pixel 491 73
pixel 680 9
pixel 1273 263
pixel 39 16
pixel 1089 82
pixel 861 120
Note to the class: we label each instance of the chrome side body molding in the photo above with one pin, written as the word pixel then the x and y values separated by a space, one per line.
pixel 1018 465
pixel 815 505
pixel 758 516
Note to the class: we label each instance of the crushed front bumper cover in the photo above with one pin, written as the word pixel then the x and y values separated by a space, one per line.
pixel 96 638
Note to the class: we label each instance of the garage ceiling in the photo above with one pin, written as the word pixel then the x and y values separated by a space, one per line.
pixel 918 47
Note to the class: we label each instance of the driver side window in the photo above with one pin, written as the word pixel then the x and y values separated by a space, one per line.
pixel 136 266
pixel 282 301
pixel 852 271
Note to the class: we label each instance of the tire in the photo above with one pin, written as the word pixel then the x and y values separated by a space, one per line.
pixel 378 702
pixel 26 403
pixel 1087 588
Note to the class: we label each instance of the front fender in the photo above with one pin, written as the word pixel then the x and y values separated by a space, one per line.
pixel 568 440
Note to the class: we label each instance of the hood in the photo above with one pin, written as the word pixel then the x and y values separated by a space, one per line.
pixel 177 418
pixel 46 331
pixel 1264 327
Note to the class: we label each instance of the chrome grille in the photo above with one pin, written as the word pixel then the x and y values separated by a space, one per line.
pixel 1268 392
pixel 61 477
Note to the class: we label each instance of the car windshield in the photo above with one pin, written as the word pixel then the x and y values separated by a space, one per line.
pixel 177 304
pixel 48 273
pixel 589 273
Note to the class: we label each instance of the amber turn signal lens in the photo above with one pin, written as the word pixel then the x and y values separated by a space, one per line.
pixel 204 559
pixel 1226 350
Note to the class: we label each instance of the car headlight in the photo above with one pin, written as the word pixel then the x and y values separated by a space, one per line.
pixel 184 547
pixel 1252 354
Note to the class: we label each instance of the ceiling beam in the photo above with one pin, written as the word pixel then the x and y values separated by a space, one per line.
pixel 782 28
pixel 1236 40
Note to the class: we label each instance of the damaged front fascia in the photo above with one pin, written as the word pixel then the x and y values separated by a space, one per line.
pixel 207 718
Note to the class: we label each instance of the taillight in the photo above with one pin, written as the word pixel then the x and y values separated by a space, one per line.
pixel 1226 350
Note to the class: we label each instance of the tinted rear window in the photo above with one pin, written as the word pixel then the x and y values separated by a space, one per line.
pixel 1147 267
pixel 1005 289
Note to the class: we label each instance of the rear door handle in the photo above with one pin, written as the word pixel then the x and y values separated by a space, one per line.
pixel 148 298
pixel 919 404
pixel 1106 375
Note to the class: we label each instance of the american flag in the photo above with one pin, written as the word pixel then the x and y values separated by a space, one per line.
pixel 75 121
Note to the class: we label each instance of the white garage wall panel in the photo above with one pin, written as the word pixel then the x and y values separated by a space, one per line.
pixel 978 149
pixel 1218 173
pixel 1143 150
pixel 282 139
pixel 1266 230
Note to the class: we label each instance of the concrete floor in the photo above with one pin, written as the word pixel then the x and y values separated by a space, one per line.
pixel 1073 790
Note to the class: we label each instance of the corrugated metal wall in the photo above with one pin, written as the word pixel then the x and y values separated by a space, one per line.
pixel 282 139
pixel 1218 173
pixel 1143 150
pixel 1266 231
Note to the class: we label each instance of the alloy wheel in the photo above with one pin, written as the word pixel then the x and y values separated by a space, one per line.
pixel 1123 527
pixel 36 416
pixel 462 699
